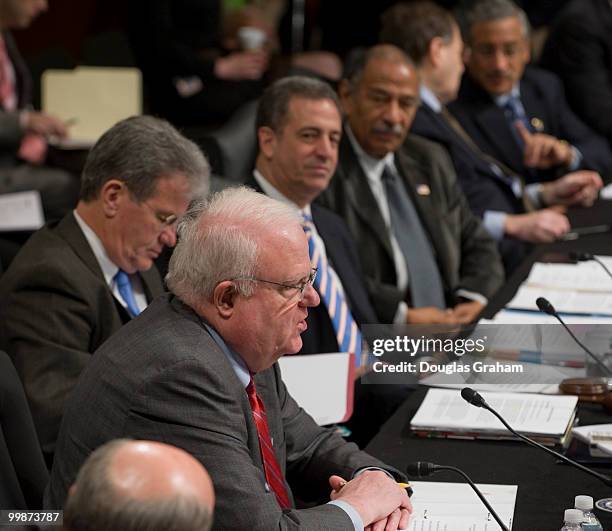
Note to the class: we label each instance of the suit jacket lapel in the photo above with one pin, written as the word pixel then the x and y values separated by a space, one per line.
pixel 22 74
pixel 360 195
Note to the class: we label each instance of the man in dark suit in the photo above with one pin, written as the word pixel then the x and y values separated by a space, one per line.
pixel 137 485
pixel 24 132
pixel 197 369
pixel 426 257
pixel 299 128
pixel 76 282
pixel 579 50
pixel 430 36
pixel 518 113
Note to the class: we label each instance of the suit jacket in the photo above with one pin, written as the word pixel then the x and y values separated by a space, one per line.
pixel 483 188
pixel 579 51
pixel 56 310
pixel 465 253
pixel 342 255
pixel 162 377
pixel 543 98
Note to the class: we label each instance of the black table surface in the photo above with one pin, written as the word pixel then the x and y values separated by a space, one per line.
pixel 545 488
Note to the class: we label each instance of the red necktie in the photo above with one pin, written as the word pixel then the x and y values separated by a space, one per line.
pixel 274 476
pixel 33 147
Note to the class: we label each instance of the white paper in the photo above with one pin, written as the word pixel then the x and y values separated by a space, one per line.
pixel 331 399
pixel 21 211
pixel 456 507
pixel 588 434
pixel 444 409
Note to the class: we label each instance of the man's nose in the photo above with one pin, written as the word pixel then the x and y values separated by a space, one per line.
pixel 311 297
pixel 168 236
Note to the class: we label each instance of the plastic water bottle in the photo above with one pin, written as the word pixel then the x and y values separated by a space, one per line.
pixel 589 520
pixel 573 519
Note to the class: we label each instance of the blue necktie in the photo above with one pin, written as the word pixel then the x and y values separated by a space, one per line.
pixel 514 112
pixel 125 290
pixel 347 332
pixel 425 283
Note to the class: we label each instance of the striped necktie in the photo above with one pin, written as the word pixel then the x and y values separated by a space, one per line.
pixel 347 331
pixel 272 469
pixel 127 294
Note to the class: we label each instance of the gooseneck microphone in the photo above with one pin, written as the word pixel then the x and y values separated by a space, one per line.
pixel 423 468
pixel 474 398
pixel 587 257
pixel 545 306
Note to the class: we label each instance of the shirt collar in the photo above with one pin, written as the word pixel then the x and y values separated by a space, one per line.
pixel 372 167
pixel 109 269
pixel 272 192
pixel 502 99
pixel 430 99
pixel 237 363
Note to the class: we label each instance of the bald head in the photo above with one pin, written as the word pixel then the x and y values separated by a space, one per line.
pixel 137 485
pixel 147 470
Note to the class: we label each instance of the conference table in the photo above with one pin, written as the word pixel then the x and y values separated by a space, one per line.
pixel 545 488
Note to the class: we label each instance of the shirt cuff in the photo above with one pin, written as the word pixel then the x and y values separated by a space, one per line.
pixel 495 221
pixel 351 512
pixel 472 295
pixel 576 159
pixel 532 191
pixel 400 313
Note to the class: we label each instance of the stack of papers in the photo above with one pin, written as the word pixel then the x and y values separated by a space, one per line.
pixel 582 288
pixel 597 436
pixel 548 419
pixel 456 507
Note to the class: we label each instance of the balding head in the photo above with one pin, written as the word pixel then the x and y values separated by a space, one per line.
pixel 137 485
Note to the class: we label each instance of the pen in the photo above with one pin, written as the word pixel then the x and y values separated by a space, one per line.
pixel 407 487
pixel 71 121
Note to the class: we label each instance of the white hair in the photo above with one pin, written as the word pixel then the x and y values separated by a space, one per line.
pixel 218 239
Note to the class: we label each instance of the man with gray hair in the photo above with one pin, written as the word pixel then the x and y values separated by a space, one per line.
pixel 140 486
pixel 77 281
pixel 198 370
pixel 518 113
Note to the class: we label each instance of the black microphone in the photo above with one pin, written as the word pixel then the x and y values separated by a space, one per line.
pixel 480 402
pixel 423 468
pixel 545 306
pixel 587 257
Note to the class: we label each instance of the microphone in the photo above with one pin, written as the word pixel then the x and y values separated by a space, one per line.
pixel 587 257
pixel 467 393
pixel 423 468
pixel 545 306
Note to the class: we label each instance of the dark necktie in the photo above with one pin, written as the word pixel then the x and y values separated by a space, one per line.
pixel 425 282
pixel 515 112
pixel 272 469
pixel 127 294
pixel 347 332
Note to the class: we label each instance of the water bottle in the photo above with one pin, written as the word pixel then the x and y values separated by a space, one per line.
pixel 589 520
pixel 573 519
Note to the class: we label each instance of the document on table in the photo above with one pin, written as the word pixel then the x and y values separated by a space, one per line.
pixel 455 506
pixel 21 211
pixel 444 409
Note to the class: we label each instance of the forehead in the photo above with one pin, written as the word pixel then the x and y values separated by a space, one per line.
pixel 283 252
pixel 507 29
pixel 306 112
pixel 391 76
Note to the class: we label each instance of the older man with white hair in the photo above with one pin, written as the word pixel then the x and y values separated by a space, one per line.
pixel 198 369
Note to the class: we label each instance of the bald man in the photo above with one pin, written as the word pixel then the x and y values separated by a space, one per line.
pixel 137 485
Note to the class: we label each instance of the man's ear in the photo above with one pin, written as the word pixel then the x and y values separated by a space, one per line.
pixel 113 194
pixel 224 298
pixel 267 141
pixel 345 92
pixel 434 51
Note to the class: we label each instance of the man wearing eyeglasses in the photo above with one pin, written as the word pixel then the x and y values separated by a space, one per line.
pixel 77 281
pixel 198 370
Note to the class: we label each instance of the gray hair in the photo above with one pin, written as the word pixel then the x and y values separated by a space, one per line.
pixel 359 59
pixel 139 151
pixel 218 240
pixel 95 506
pixel 274 103
pixel 487 11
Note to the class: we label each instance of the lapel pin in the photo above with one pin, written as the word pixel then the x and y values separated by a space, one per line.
pixel 423 189
pixel 537 124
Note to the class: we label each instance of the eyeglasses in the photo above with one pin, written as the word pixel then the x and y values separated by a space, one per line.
pixel 166 220
pixel 301 287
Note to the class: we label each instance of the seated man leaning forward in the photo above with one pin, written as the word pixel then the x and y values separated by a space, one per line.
pixel 197 369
